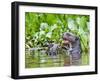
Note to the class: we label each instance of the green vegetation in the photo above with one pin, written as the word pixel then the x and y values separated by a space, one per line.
pixel 43 27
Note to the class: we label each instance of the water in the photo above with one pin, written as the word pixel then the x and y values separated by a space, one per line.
pixel 40 58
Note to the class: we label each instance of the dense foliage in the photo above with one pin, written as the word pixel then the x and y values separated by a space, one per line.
pixel 43 27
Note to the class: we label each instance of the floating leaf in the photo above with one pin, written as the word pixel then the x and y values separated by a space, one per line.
pixel 71 24
pixel 49 34
pixel 43 26
pixel 53 27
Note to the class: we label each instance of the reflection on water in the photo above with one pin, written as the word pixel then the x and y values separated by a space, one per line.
pixel 38 57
